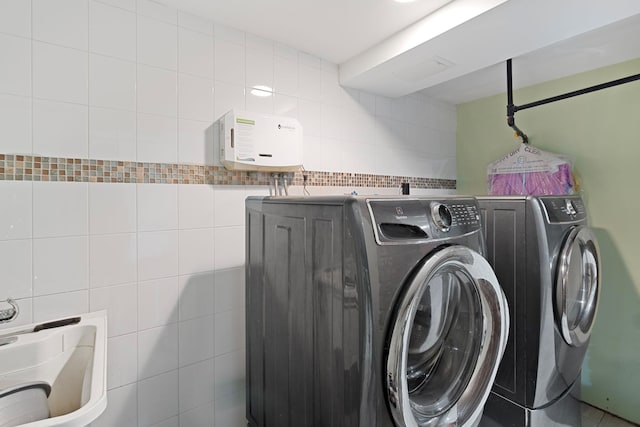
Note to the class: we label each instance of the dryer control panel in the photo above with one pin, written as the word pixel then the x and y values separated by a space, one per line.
pixel 564 209
pixel 402 221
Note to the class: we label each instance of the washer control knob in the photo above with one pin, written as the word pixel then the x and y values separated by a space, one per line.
pixel 441 216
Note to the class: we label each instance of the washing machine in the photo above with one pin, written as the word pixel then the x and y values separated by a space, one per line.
pixel 367 311
pixel 546 259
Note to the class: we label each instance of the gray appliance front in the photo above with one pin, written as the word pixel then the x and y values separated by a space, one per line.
pixel 296 372
pixel 324 296
pixel 546 259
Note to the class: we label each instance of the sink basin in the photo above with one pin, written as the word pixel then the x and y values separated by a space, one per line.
pixel 72 359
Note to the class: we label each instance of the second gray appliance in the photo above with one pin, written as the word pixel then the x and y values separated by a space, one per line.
pixel 369 312
pixel 546 259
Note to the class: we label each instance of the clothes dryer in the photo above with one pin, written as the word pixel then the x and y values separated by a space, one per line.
pixel 375 312
pixel 546 259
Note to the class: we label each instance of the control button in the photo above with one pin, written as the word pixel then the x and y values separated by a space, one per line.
pixel 569 208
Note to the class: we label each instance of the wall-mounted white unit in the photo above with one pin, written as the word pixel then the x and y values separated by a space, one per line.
pixel 259 142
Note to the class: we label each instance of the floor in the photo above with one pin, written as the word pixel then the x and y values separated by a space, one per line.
pixel 594 417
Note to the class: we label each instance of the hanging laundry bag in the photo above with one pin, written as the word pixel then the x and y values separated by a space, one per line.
pixel 530 171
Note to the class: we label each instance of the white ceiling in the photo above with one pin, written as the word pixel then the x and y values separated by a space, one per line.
pixel 604 46
pixel 335 30
pixel 453 50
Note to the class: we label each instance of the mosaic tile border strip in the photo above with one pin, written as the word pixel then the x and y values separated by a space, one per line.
pixel 18 167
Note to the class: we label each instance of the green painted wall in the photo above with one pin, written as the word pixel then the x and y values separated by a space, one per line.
pixel 601 131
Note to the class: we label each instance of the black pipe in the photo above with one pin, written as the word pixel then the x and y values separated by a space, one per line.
pixel 575 92
pixel 510 105
pixel 511 109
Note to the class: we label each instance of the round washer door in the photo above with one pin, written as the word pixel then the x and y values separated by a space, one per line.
pixel 577 285
pixel 447 339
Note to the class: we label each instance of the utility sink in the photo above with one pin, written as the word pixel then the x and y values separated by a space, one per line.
pixel 70 355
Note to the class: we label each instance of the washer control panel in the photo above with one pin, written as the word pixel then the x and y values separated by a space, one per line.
pixel 564 209
pixel 414 220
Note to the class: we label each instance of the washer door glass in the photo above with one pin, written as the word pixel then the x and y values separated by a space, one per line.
pixel 578 285
pixel 438 341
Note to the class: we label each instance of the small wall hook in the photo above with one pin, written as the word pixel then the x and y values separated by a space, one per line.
pixel 9 314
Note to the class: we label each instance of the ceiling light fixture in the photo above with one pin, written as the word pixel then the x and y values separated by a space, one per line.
pixel 261 91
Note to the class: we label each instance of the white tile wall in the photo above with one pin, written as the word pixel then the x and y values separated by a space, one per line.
pixel 113 259
pixel 196 340
pixel 229 247
pixel 134 80
pixel 60 129
pixel 157 138
pixel 157 43
pixel 171 422
pixel 15 268
pixel 15 121
pixel 112 134
pixel 60 264
pixel 259 104
pixel 259 62
pixel 229 289
pixel 229 331
pixel 157 91
pixel 158 398
pixel 202 415
pixel 15 73
pixel 229 375
pixel 195 388
pixel 196 206
pixel 196 251
pixel 60 73
pixel 122 360
pixel 157 207
pixel 195 142
pixel 60 305
pixel 195 101
pixel 122 409
pixel 230 410
pixel 121 303
pixel 228 96
pixel 15 17
pixel 103 219
pixel 195 52
pixel 198 296
pixel 60 209
pixel 157 254
pixel 157 350
pixel 232 68
pixel 62 22
pixel 112 83
pixel 16 211
pixel 129 5
pixel 195 23
pixel 158 302
pixel 102 38
pixel 158 11
pixel 229 205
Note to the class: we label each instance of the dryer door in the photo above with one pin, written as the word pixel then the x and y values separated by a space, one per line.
pixel 447 340
pixel 577 285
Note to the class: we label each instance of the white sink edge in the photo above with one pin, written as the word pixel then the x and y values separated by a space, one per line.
pixel 97 402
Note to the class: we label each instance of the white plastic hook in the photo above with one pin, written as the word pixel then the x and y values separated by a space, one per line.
pixel 9 314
